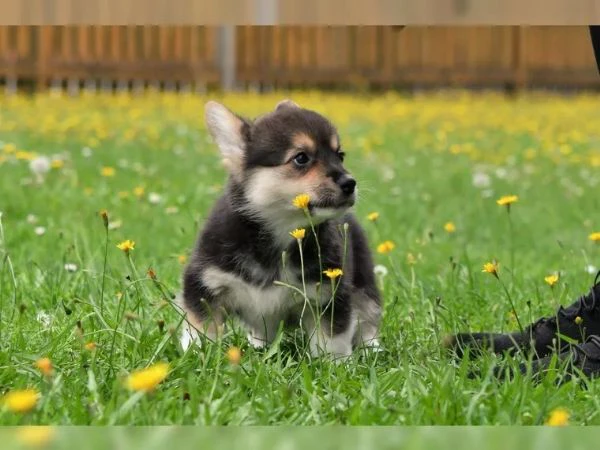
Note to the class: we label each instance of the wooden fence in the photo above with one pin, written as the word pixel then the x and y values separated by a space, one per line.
pixel 306 56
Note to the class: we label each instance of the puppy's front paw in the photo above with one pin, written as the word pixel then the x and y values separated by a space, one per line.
pixel 188 337
pixel 256 341
pixel 373 345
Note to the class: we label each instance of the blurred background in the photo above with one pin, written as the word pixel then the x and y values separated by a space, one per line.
pixel 198 58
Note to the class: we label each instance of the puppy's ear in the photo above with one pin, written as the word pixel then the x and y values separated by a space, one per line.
pixel 229 132
pixel 287 103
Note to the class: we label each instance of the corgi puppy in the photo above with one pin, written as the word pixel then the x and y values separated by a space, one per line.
pixel 247 265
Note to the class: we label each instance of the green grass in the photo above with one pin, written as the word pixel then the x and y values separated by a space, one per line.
pixel 414 159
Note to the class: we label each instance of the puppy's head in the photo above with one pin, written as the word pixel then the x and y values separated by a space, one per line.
pixel 285 153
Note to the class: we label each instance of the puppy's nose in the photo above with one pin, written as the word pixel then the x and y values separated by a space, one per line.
pixel 347 184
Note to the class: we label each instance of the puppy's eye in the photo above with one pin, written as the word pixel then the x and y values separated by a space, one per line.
pixel 341 155
pixel 301 159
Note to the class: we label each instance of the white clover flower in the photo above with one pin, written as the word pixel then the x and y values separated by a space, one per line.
pixel 380 271
pixel 31 219
pixel 43 318
pixel 481 180
pixel 70 267
pixel 40 231
pixel 154 198
pixel 501 173
pixel 40 166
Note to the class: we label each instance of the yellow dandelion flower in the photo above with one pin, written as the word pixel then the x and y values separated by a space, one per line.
pixel 90 346
pixel 298 233
pixel 57 164
pixel 234 355
pixel 410 259
pixel 491 267
pixel 108 172
pixel 182 259
pixel 25 156
pixel 595 237
pixel 373 216
pixel 119 295
pixel 147 379
pixel 123 194
pixel 385 247
pixel 35 436
pixel 551 280
pixel 507 200
pixel 138 191
pixel 559 417
pixel 332 274
pixel 301 201
pixel 9 148
pixel 45 366
pixel 126 245
pixel 21 401
pixel 578 320
pixel 450 227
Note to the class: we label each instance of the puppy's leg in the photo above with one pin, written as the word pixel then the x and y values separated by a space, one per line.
pixel 331 332
pixel 368 318
pixel 365 294
pixel 208 324
pixel 202 312
pixel 262 334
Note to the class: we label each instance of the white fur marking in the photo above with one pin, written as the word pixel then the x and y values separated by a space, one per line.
pixel 339 345
pixel 270 196
pixel 261 309
pixel 189 336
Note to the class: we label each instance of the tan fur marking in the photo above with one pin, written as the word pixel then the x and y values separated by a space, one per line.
pixel 303 140
pixel 315 174
pixel 334 142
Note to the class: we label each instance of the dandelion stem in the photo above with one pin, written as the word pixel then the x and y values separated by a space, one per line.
pixel 114 337
pixel 334 285
pixel 312 227
pixel 293 288
pixel 104 272
pixel 512 305
pixel 135 276
pixel 304 294
pixel 512 243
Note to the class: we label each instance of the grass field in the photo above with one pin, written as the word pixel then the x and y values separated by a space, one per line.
pixel 432 166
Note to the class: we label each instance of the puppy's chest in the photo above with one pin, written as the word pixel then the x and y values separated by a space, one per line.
pixel 260 296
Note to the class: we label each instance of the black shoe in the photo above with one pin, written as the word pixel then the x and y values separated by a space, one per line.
pixel 581 359
pixel 574 323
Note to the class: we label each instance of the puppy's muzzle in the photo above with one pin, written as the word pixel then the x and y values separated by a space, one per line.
pixel 347 184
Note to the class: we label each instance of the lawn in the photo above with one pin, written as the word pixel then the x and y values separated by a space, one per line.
pixel 432 166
